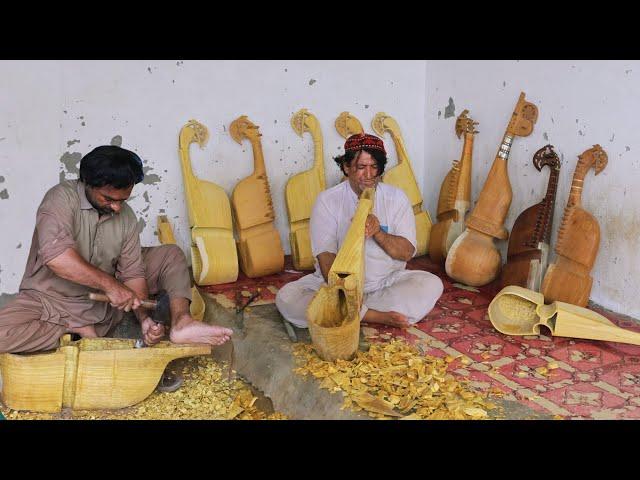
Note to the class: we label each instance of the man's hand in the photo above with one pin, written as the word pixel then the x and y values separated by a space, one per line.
pixel 122 297
pixel 152 332
pixel 371 226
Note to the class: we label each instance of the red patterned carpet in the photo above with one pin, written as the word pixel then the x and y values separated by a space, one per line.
pixel 594 379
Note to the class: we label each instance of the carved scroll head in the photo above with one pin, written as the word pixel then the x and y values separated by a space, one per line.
pixel 523 118
pixel 242 128
pixel 384 123
pixel 347 125
pixel 194 131
pixel 465 124
pixel 595 157
pixel 546 156
pixel 304 121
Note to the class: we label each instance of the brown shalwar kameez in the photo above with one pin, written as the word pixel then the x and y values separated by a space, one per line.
pixel 47 306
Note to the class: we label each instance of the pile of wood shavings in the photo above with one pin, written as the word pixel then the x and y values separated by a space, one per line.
pixel 394 380
pixel 206 394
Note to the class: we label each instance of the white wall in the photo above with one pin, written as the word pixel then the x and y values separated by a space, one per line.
pixel 53 112
pixel 580 103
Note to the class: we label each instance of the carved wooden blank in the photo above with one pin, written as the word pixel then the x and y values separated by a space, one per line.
pixel 568 279
pixel 166 237
pixel 213 251
pixel 520 311
pixel 455 194
pixel 92 373
pixel 301 192
pixel 259 245
pixel 334 313
pixel 473 258
pixel 401 176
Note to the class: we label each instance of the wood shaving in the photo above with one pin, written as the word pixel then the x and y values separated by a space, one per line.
pixel 205 394
pixel 394 380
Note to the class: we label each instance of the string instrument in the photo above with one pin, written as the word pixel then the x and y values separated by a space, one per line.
pixel 347 125
pixel 528 251
pixel 166 237
pixel 259 246
pixel 301 191
pixel 334 313
pixel 473 258
pixel 401 176
pixel 520 311
pixel 455 194
pixel 568 279
pixel 213 252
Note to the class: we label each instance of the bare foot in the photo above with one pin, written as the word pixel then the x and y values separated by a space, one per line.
pixel 189 330
pixel 88 331
pixel 393 319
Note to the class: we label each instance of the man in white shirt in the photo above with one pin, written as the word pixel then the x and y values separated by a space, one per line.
pixel 392 295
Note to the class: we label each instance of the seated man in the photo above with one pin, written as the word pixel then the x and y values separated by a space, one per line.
pixel 86 239
pixel 392 295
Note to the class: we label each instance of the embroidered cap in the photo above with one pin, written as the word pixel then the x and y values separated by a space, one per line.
pixel 363 140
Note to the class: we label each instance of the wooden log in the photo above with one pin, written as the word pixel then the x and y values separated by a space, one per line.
pixel 259 246
pixel 302 190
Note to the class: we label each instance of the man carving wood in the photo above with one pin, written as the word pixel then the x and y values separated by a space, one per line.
pixel 86 239
pixel 392 295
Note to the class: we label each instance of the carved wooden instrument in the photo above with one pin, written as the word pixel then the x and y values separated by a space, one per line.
pixel 334 313
pixel 455 195
pixel 259 245
pixel 568 279
pixel 473 258
pixel 301 191
pixel 528 251
pixel 519 311
pixel 166 237
pixel 347 125
pixel 213 251
pixel 88 374
pixel 401 176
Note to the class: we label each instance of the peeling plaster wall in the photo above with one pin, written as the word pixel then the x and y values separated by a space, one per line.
pixel 580 103
pixel 53 112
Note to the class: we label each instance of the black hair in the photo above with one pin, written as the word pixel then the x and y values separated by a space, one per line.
pixel 111 165
pixel 347 158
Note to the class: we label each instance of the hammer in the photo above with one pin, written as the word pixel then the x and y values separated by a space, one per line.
pixel 161 312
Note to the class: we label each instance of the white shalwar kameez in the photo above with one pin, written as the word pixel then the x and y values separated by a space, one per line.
pixel 388 286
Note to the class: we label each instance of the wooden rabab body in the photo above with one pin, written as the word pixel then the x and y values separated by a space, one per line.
pixel 259 246
pixel 528 251
pixel 473 258
pixel 568 279
pixel 166 237
pixel 88 374
pixel 455 195
pixel 334 313
pixel 401 176
pixel 213 251
pixel 301 192
pixel 520 311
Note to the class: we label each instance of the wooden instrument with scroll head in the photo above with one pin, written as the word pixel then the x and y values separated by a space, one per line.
pixel 213 250
pixel 301 191
pixel 473 258
pixel 347 125
pixel 401 176
pixel 259 246
pixel 568 279
pixel 455 195
pixel 334 313
pixel 528 251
